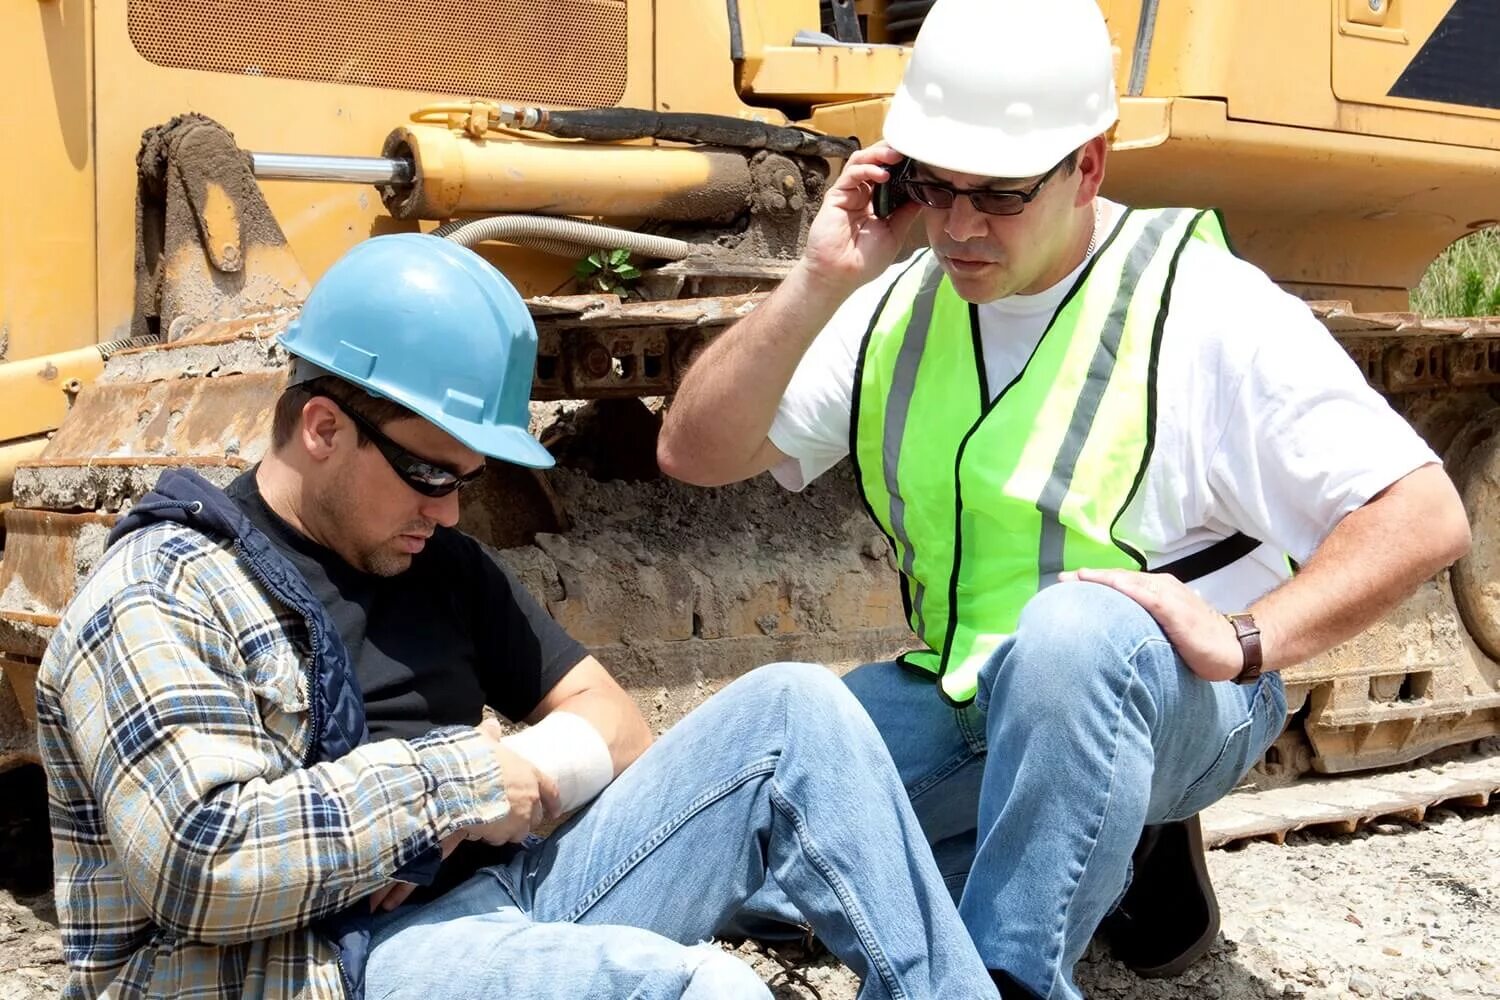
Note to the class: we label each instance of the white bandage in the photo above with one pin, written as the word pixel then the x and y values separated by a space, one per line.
pixel 569 751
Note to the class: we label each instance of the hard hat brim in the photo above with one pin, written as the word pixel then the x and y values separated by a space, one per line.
pixel 981 150
pixel 503 442
pixel 498 441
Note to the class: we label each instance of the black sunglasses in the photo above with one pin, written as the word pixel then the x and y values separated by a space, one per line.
pixel 425 477
pixel 935 194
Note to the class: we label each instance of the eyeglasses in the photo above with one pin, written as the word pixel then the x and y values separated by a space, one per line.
pixel 935 194
pixel 425 477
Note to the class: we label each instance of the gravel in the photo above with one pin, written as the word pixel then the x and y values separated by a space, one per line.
pixel 1397 910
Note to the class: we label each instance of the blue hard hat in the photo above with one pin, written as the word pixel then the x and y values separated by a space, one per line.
pixel 432 326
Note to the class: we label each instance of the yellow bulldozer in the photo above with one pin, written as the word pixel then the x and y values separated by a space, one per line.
pixel 180 171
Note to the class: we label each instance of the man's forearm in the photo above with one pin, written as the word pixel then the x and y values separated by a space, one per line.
pixel 715 430
pixel 1368 564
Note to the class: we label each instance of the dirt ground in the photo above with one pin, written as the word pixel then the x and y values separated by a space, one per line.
pixel 1398 910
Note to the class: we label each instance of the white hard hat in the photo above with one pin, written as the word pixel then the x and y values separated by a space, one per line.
pixel 1004 88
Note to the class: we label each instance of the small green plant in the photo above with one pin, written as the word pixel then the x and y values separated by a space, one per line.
pixel 608 271
pixel 1475 301
pixel 1464 280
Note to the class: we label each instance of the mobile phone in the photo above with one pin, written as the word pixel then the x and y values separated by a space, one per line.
pixel 893 193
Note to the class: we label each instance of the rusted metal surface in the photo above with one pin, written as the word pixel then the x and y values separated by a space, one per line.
pixel 110 484
pixel 1343 321
pixel 20 677
pixel 1474 463
pixel 1404 353
pixel 12 454
pixel 46 554
pixel 1410 684
pixel 221 416
pixel 599 347
pixel 17 712
pixel 595 311
pixel 207 243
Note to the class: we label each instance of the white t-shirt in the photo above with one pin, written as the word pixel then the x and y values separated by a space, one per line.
pixel 1264 425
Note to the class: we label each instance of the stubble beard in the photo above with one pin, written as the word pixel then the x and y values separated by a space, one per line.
pixel 335 510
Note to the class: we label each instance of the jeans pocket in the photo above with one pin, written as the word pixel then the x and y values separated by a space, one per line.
pixel 1244 745
pixel 1222 775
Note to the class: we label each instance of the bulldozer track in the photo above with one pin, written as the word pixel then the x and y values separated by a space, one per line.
pixel 1341 805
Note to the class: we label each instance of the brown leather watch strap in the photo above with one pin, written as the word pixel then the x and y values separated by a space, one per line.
pixel 1248 634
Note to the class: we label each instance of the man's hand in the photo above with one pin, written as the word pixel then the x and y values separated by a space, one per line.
pixel 1202 636
pixel 395 893
pixel 533 800
pixel 532 796
pixel 847 245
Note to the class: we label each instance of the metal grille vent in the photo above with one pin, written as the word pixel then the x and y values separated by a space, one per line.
pixel 545 51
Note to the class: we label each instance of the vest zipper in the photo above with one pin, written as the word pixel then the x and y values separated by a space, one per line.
pixel 315 718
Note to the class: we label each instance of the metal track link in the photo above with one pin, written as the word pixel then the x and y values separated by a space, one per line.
pixel 1345 803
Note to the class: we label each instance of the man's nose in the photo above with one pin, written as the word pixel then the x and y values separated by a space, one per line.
pixel 964 221
pixel 441 510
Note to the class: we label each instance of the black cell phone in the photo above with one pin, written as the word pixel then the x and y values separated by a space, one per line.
pixel 893 193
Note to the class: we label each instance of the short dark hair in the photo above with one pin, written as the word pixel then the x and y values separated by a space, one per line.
pixel 375 409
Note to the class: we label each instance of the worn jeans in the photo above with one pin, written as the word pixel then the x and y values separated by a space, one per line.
pixel 780 774
pixel 1086 727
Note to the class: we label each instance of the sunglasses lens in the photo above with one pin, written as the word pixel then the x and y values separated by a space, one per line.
pixel 1004 203
pixel 430 479
pixel 931 195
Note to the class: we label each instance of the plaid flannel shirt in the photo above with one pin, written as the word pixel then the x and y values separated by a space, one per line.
pixel 193 846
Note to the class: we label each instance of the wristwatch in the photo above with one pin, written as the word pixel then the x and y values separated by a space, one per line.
pixel 1248 633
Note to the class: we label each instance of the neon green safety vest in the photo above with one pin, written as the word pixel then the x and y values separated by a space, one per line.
pixel 987 501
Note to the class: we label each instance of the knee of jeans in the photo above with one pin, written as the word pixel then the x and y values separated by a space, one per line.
pixel 720 976
pixel 798 683
pixel 812 700
pixel 1073 631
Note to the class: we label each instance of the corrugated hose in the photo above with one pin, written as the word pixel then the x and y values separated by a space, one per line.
pixel 562 237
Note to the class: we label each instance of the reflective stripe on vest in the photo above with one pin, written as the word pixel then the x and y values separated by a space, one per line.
pixel 987 501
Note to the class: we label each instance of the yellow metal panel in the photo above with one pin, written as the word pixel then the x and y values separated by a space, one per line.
pixel 12 454
pixel 46 184
pixel 1364 210
pixel 1274 61
pixel 766 24
pixel 321 221
pixel 38 391
pixel 1123 17
pixel 693 70
pixel 1369 60
pixel 823 73
pixel 1193 49
pixel 865 120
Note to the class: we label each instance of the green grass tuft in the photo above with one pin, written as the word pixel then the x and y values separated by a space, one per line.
pixel 1464 280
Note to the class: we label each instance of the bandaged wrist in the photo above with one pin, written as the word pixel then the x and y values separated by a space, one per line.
pixel 569 750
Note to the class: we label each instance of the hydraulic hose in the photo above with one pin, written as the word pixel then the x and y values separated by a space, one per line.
pixel 562 237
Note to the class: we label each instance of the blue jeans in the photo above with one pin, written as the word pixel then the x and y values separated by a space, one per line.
pixel 781 774
pixel 1086 727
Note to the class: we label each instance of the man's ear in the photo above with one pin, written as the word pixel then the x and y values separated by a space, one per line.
pixel 319 428
pixel 1091 157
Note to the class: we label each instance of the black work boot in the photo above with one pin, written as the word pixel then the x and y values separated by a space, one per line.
pixel 1169 916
